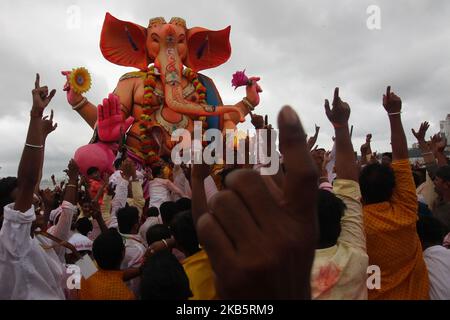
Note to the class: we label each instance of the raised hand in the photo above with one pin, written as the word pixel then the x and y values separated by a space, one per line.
pixel 110 120
pixel 312 141
pixel 259 247
pixel 257 121
pixel 391 102
pixel 72 170
pixel 48 126
pixel 420 135
pixel 41 97
pixel 47 197
pixel 438 143
pixel 72 97
pixel 340 113
pixel 128 169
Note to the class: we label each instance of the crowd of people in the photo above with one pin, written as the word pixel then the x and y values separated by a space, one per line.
pixel 203 232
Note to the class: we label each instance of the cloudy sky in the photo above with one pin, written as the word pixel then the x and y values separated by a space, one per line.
pixel 301 50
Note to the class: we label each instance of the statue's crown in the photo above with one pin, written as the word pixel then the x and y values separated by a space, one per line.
pixel 160 20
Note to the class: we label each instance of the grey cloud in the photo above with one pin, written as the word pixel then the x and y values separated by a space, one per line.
pixel 301 49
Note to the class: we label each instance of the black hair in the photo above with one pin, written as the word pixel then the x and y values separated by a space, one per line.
pixel 117 163
pixel 330 211
pixel 157 233
pixel 168 210
pixel 183 230
pixel 387 154
pixel 127 218
pixel 152 212
pixel 184 204
pixel 444 173
pixel 156 171
pixel 164 278
pixel 7 186
pixel 108 250
pixel 430 230
pixel 377 183
pixel 419 177
pixel 84 226
pixel 92 170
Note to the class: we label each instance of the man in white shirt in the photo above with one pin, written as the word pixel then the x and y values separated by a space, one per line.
pixel 436 256
pixel 32 267
pixel 153 218
pixel 128 222
pixel 161 190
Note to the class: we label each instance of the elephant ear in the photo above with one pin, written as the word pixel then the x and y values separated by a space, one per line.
pixel 124 43
pixel 207 49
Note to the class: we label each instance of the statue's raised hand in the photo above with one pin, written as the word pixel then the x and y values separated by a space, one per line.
pixel 110 120
pixel 72 97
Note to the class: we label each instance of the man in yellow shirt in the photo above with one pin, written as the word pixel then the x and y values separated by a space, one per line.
pixel 107 283
pixel 196 265
pixel 390 215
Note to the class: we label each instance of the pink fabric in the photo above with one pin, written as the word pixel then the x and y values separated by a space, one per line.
pixel 97 155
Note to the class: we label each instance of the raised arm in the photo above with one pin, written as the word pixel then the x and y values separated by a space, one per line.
pixel 33 153
pixel 393 105
pixel 346 186
pixel 345 156
pixel 312 141
pixel 62 229
pixel 425 149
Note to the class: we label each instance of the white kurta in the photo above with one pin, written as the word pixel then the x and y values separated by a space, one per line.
pixel 28 271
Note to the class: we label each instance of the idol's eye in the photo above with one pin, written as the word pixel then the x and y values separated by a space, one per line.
pixel 155 37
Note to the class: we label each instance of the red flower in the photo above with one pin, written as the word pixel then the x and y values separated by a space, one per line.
pixel 239 79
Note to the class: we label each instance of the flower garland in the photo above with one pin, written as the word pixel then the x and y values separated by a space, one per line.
pixel 148 146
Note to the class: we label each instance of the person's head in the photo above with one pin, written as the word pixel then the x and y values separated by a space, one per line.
pixel 157 233
pixel 431 231
pixel 84 226
pixel 386 158
pixel 152 212
pixel 330 211
pixel 442 182
pixel 377 183
pixel 117 163
pixel 8 194
pixel 157 171
pixel 93 173
pixel 183 230
pixel 108 250
pixel 128 220
pixel 86 207
pixel 164 278
pixel 168 210
pixel 184 204
pixel 419 177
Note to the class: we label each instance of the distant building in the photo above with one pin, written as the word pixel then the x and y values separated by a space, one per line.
pixel 445 130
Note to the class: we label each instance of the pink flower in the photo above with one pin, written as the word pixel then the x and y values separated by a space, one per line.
pixel 239 79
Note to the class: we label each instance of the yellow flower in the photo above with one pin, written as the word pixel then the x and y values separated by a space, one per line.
pixel 80 80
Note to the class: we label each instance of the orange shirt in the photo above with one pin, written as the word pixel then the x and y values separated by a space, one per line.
pixel 393 243
pixel 105 285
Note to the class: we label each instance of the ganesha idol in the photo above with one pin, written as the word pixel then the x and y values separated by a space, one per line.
pixel 165 94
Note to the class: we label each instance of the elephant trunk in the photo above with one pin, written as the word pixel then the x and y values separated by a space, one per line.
pixel 171 66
